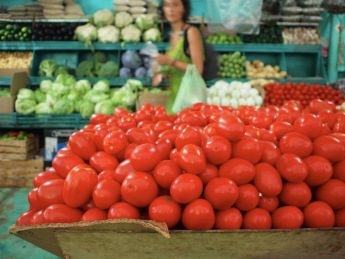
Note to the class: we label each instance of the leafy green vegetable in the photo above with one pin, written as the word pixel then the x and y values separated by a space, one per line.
pixel 47 67
pixel 43 108
pixel 63 106
pixel 84 69
pixel 86 33
pixel 25 93
pixel 86 108
pixel 105 107
pixel 145 22
pixel 46 85
pixel 153 35
pixel 108 69
pixel 82 86
pixel 25 106
pixel 96 96
pixel 65 79
pixel 102 86
pixel 61 70
pixel 40 96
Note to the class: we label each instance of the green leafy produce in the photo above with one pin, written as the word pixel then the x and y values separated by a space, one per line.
pixel 44 108
pixel 86 108
pixel 97 56
pixel 85 69
pixel 82 86
pixel 46 85
pixel 86 33
pixel 232 65
pixel 66 79
pixel 25 93
pixel 105 107
pixel 14 32
pixel 96 96
pixel 25 106
pixel 223 38
pixel 145 22
pixel 103 18
pixel 63 106
pixel 268 34
pixel 153 35
pixel 40 96
pixel 108 69
pixel 5 92
pixel 61 70
pixel 47 67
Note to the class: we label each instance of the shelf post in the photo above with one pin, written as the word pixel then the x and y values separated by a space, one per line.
pixel 333 50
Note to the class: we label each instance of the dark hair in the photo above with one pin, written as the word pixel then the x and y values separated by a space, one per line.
pixel 186 7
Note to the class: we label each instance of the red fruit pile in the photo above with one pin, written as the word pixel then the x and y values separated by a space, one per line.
pixel 208 167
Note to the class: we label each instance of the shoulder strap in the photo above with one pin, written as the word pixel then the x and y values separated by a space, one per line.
pixel 185 42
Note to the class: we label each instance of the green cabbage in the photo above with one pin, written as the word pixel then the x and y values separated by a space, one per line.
pixel 25 93
pixel 86 108
pixel 46 85
pixel 96 96
pixel 25 106
pixel 105 107
pixel 63 106
pixel 102 86
pixel 44 108
pixel 82 86
pixel 40 96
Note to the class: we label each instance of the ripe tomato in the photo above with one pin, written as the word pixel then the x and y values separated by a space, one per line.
pixel 174 154
pixel 330 148
pixel 164 147
pixel 292 168
pixel 78 185
pixel 106 193
pixel 101 161
pixel 44 177
pixel 192 159
pixel 210 130
pixel 229 219
pixel 318 105
pixel 168 134
pixel 230 127
pixel 210 173
pixel 123 210
pixel 126 122
pixel 319 170
pixel 162 126
pixel 64 163
pixel 257 219
pixel 61 213
pixel 189 135
pixel 217 150
pixel 100 132
pixel 126 153
pixel 198 215
pixel 145 157
pixel 281 128
pixel 38 218
pixel 25 218
pixel 318 214
pixel 270 152
pixel 165 173
pixel 33 200
pixel 221 192
pixel 106 174
pixel 296 143
pixel 248 197
pixel 165 209
pixel 94 214
pixel 122 170
pixel 333 193
pixel 98 118
pixel 114 142
pixel 186 188
pixel 287 217
pixel 267 180
pixel 248 149
pixel 339 171
pixel 50 192
pixel 82 145
pixel 340 218
pixel 296 194
pixel 138 136
pixel 239 170
pixel 270 204
pixel 139 189
pixel 309 125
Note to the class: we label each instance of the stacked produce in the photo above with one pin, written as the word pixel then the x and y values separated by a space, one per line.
pixel 48 31
pixel 65 95
pixel 278 93
pixel 14 32
pixel 257 69
pixel 136 7
pixel 134 65
pixel 223 38
pixel 233 94
pixel 268 34
pixel 232 65
pixel 106 27
pixel 15 59
pixel 301 35
pixel 208 167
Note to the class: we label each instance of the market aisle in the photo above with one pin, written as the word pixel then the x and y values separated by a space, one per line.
pixel 13 203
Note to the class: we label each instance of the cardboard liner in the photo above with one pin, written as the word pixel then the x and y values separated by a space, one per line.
pixel 148 239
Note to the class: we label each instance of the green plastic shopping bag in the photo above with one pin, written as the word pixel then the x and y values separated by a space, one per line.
pixel 192 90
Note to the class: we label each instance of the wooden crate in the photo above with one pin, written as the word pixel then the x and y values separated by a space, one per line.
pixel 20 173
pixel 18 150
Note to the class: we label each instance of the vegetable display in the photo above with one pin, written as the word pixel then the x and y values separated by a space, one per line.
pixel 232 65
pixel 208 167
pixel 134 65
pixel 257 69
pixel 268 34
pixel 223 38
pixel 14 32
pixel 47 31
pixel 15 59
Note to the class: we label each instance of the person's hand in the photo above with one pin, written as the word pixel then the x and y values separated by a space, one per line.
pixel 163 59
pixel 157 79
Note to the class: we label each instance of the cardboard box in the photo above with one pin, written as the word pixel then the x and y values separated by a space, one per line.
pixel 19 80
pixel 150 240
pixel 153 98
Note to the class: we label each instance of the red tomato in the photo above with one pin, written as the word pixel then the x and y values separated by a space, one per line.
pixel 78 185
pixel 319 170
pixel 217 150
pixel 229 219
pixel 25 218
pixel 61 213
pixel 192 159
pixel 162 126
pixel 296 143
pixel 106 174
pixel 221 192
pixel 333 193
pixel 145 157
pixel 106 193
pixel 101 161
pixel 126 123
pixel 189 135
pixel 210 173
pixel 269 204
pixel 248 149
pixel 267 180
pixel 257 219
pixel 165 209
pixel 281 128
pixel 44 177
pixel 100 132
pixel 239 170
pixel 296 194
pixel 165 173
pixel 340 136
pixel 292 168
pixel 82 145
pixel 248 197
pixel 198 215
pixel 114 142
pixel 287 217
pixel 270 152
pixel 186 188
pixel 122 170
pixel 64 163
pixel 164 147
pixel 268 135
pixel 38 218
pixel 340 218
pixel 318 214
pixel 126 153
pixel 94 214
pixel 339 171
pixel 98 118
pixel 210 130
pixel 174 154
pixel 139 189
pixel 328 118
pixel 34 202
pixel 123 210
pixel 50 192
pixel 261 121
pixel 230 127
pixel 168 134
pixel 330 148
pixel 309 125
pixel 318 105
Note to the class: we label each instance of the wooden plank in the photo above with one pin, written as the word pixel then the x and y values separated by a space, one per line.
pixel 15 157
pixel 37 163
pixel 24 172
pixel 17 143
pixel 13 149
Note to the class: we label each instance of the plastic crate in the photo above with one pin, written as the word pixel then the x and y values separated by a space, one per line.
pixel 7 120
pixel 48 121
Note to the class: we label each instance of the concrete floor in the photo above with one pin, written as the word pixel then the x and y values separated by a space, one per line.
pixel 13 202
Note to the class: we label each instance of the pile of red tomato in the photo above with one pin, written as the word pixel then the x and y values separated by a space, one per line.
pixel 209 167
pixel 278 93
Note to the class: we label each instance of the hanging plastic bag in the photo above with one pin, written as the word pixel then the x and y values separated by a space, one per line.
pixel 149 51
pixel 192 90
pixel 241 16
